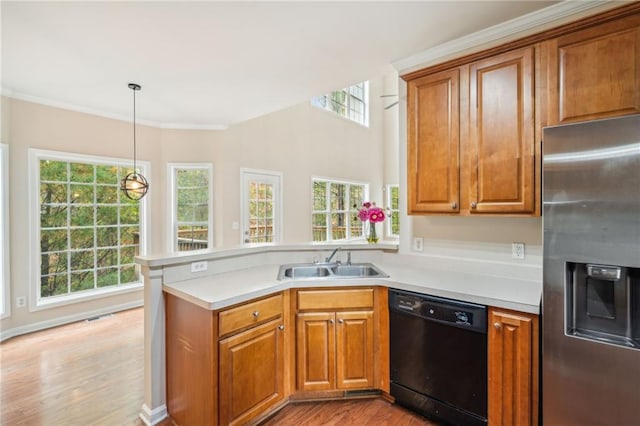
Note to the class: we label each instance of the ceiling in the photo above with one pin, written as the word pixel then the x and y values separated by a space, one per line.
pixel 213 64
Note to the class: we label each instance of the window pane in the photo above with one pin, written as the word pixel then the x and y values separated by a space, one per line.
pixel 106 215
pixel 107 236
pixel 51 170
pixel 53 193
pixel 106 257
pixel 319 229
pixel 53 216
pixel 81 260
pixel 357 196
pixel 53 240
pixel 82 215
pixel 82 280
pixel 106 194
pixel 193 238
pixel 319 196
pixel 338 193
pixel 81 172
pixel 107 174
pixel 338 226
pixel 107 277
pixel 53 285
pixel 53 263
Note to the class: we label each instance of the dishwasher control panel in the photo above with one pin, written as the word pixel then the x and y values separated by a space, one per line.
pixel 447 311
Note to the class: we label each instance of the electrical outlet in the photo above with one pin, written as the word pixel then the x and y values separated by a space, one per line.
pixel 418 244
pixel 199 266
pixel 517 250
pixel 21 302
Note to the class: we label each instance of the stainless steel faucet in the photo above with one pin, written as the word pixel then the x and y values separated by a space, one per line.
pixel 333 253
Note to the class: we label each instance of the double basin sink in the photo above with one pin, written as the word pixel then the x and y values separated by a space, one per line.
pixel 329 271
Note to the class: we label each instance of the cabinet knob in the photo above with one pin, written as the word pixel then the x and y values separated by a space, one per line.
pixel 281 327
pixel 341 321
pixel 454 205
pixel 331 321
pixel 256 314
pixel 474 204
pixel 497 325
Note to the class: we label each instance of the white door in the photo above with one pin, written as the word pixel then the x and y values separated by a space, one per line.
pixel 261 206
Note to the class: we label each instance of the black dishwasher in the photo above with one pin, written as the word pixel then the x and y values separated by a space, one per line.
pixel 438 350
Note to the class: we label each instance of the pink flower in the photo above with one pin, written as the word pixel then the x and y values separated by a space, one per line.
pixel 370 212
pixel 376 214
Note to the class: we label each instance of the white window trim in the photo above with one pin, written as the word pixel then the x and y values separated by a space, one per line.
pixel 328 195
pixel 4 233
pixel 389 211
pixel 244 208
pixel 171 190
pixel 35 155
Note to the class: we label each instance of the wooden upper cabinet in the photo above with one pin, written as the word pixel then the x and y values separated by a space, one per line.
pixel 434 143
pixel 595 73
pixel 502 133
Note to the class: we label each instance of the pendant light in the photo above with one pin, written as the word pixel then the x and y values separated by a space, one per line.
pixel 134 185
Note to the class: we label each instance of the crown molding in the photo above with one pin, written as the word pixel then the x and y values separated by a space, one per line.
pixel 105 114
pixel 548 17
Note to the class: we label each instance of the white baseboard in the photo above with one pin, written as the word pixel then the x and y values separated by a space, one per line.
pixel 30 328
pixel 153 417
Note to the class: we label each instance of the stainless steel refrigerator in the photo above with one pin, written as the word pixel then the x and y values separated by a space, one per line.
pixel 591 273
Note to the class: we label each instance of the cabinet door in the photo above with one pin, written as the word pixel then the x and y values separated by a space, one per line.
pixel 251 373
pixel 595 73
pixel 433 133
pixel 316 348
pixel 513 368
pixel 502 132
pixel 354 350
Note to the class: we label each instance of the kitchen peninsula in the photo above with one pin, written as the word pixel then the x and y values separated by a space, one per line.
pixel 236 298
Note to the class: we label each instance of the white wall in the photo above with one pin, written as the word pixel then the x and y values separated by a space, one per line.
pixel 300 142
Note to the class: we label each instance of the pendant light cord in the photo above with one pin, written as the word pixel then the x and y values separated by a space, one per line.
pixel 135 169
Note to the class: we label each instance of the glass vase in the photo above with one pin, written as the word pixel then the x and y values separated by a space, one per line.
pixel 372 236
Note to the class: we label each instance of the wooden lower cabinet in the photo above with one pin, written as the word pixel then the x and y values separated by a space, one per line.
pixel 335 350
pixel 251 373
pixel 513 368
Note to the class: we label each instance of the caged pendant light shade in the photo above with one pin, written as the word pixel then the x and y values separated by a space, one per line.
pixel 134 185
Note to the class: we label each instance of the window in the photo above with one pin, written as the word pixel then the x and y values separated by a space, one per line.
pixel 4 231
pixel 261 206
pixel 393 210
pixel 191 201
pixel 87 233
pixel 351 102
pixel 334 209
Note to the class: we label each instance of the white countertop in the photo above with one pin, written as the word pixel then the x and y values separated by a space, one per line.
pixel 228 288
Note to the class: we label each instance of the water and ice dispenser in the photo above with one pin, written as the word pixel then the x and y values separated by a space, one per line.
pixel 603 303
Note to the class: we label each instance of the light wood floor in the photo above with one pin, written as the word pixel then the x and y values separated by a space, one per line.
pixel 86 373
pixel 91 373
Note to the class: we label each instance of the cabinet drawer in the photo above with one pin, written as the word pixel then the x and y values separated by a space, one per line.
pixel 335 299
pixel 253 313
